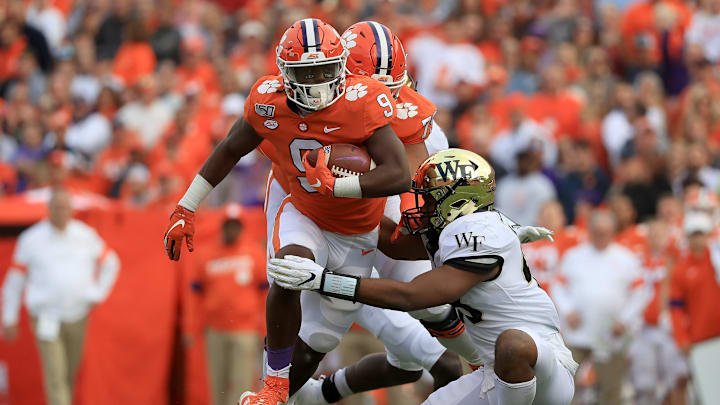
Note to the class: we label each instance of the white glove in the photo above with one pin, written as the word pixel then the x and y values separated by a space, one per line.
pixel 528 234
pixel 296 273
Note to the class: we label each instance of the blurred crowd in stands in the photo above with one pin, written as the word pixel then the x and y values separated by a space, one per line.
pixel 601 118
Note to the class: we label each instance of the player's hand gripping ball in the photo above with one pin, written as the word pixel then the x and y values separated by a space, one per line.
pixel 318 175
pixel 324 165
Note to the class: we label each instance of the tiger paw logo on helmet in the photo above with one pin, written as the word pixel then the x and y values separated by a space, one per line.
pixel 355 92
pixel 406 110
pixel 349 38
pixel 268 86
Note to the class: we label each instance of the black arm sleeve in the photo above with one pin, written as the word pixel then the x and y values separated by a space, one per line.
pixel 477 264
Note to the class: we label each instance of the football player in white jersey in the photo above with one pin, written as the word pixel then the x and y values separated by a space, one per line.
pixel 478 266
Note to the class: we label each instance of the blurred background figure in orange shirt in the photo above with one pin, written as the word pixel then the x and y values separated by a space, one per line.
pixel 231 280
pixel 694 295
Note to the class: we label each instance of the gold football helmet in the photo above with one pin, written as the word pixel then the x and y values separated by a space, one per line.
pixel 447 185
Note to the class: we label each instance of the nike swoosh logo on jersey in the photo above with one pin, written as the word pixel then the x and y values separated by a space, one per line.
pixel 364 252
pixel 311 278
pixel 328 130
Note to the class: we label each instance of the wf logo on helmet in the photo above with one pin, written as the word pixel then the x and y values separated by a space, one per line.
pixel 449 170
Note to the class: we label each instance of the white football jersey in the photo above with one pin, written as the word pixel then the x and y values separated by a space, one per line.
pixel 479 242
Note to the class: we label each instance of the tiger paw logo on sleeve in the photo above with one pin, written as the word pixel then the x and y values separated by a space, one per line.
pixel 268 86
pixel 356 91
pixel 406 110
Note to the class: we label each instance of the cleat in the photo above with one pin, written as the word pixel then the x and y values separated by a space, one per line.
pixel 275 392
pixel 310 393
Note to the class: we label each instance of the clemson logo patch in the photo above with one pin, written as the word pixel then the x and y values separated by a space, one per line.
pixel 349 38
pixel 268 86
pixel 355 92
pixel 406 110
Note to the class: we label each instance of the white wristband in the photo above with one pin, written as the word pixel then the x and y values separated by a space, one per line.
pixel 196 193
pixel 348 187
pixel 339 286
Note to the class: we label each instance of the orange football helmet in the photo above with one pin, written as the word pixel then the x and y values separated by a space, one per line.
pixel 376 52
pixel 311 57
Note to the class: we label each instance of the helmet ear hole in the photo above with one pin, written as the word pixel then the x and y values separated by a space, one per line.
pixel 458 204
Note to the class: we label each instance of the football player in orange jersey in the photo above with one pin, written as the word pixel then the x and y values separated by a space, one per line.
pixel 409 348
pixel 376 52
pixel 319 106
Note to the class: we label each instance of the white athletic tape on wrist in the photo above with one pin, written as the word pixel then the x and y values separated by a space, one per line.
pixel 348 187
pixel 339 285
pixel 196 193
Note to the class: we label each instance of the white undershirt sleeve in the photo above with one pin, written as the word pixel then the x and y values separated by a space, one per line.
pixel 11 295
pixel 107 274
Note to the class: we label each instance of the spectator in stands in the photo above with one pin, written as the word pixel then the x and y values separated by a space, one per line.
pixel 30 153
pixel 657 369
pixel 582 180
pixel 699 165
pixel 90 131
pixel 695 285
pixel 651 27
pixel 523 77
pixel 12 45
pixel 599 300
pixel 456 71
pixel 554 106
pixel 63 268
pixel 617 127
pixel 31 76
pixel 521 132
pixel 135 58
pixel 136 186
pixel 521 194
pixel 628 232
pixel 44 16
pixel 149 116
pixel 694 294
pixel 109 36
pixel 112 162
pixel 704 29
pixel 231 281
pixel 641 174
pixel 166 39
pixel 670 211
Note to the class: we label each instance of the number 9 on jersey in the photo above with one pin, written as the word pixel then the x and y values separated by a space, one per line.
pixel 385 103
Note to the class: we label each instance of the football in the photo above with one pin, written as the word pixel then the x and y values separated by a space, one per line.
pixel 344 160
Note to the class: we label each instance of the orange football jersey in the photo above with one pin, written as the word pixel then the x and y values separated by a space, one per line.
pixel 233 282
pixel 655 266
pixel 365 107
pixel 634 238
pixel 267 149
pixel 694 294
pixel 413 116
